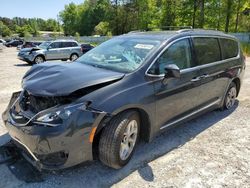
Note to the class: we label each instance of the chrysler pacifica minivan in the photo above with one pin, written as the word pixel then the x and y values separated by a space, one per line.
pixel 127 89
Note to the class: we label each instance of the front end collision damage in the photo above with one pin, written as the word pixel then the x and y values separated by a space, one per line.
pixel 53 146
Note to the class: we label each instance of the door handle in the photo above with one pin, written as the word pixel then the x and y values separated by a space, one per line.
pixel 196 79
pixel 204 76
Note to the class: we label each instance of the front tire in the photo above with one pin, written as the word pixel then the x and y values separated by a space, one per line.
pixel 39 59
pixel 118 139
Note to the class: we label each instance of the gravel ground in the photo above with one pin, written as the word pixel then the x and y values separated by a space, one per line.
pixel 210 151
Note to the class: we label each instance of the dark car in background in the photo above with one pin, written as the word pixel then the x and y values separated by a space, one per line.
pixel 86 47
pixel 128 88
pixel 14 43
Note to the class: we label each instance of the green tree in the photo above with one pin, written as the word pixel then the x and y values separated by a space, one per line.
pixel 4 30
pixel 102 28
pixel 70 19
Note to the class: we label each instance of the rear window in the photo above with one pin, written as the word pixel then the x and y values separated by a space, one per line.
pixel 207 50
pixel 229 48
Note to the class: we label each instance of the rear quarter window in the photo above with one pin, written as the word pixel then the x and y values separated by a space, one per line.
pixel 229 48
pixel 207 50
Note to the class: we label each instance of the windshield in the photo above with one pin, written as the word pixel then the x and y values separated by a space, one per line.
pixel 120 54
pixel 44 45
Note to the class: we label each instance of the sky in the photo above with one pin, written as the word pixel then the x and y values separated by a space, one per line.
pixel 33 8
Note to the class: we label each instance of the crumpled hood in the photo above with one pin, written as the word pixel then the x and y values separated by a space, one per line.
pixel 61 79
pixel 30 49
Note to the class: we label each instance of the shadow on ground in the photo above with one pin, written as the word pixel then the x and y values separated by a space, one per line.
pixel 22 65
pixel 95 174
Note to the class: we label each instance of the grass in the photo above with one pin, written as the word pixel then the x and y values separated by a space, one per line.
pixel 246 48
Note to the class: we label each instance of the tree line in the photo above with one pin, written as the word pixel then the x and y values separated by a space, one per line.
pixel 114 17
pixel 27 26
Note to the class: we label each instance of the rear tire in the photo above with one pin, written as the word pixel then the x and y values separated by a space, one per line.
pixel 73 57
pixel 118 139
pixel 230 97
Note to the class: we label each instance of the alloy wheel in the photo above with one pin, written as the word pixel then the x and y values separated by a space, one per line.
pixel 74 57
pixel 231 97
pixel 39 59
pixel 129 139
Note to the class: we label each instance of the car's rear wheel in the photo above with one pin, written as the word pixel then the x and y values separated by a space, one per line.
pixel 39 59
pixel 230 97
pixel 118 139
pixel 73 57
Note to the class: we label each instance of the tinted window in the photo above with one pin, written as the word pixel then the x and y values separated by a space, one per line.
pixel 69 44
pixel 207 50
pixel 66 44
pixel 229 48
pixel 178 54
pixel 56 45
pixel 73 44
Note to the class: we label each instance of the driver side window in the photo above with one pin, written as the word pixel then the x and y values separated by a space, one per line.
pixel 178 53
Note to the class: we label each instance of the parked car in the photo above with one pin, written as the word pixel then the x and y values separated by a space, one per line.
pixel 51 50
pixel 2 41
pixel 128 88
pixel 86 47
pixel 29 44
pixel 14 43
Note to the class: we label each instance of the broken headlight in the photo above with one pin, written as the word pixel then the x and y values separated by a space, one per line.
pixel 54 117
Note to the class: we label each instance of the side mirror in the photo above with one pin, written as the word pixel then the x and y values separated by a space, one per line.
pixel 172 71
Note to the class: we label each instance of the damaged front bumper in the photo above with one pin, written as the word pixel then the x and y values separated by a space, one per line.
pixel 26 57
pixel 52 147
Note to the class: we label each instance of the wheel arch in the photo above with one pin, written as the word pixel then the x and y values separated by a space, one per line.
pixel 41 55
pixel 145 127
pixel 238 84
pixel 74 53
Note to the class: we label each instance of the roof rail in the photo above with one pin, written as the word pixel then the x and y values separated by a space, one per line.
pixel 168 28
pixel 184 30
pixel 193 30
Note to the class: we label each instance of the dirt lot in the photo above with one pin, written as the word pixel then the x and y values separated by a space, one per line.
pixel 211 151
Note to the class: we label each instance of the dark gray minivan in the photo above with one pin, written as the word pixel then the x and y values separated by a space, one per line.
pixel 129 88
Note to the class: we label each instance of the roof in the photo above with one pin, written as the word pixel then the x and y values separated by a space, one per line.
pixel 64 40
pixel 164 35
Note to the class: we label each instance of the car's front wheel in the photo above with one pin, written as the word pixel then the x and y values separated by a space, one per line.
pixel 39 59
pixel 118 139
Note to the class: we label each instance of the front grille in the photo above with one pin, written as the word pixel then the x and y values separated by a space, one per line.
pixel 35 104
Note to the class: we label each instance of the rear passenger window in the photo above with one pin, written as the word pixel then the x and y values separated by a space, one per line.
pixel 69 44
pixel 207 50
pixel 229 48
pixel 73 44
pixel 178 54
